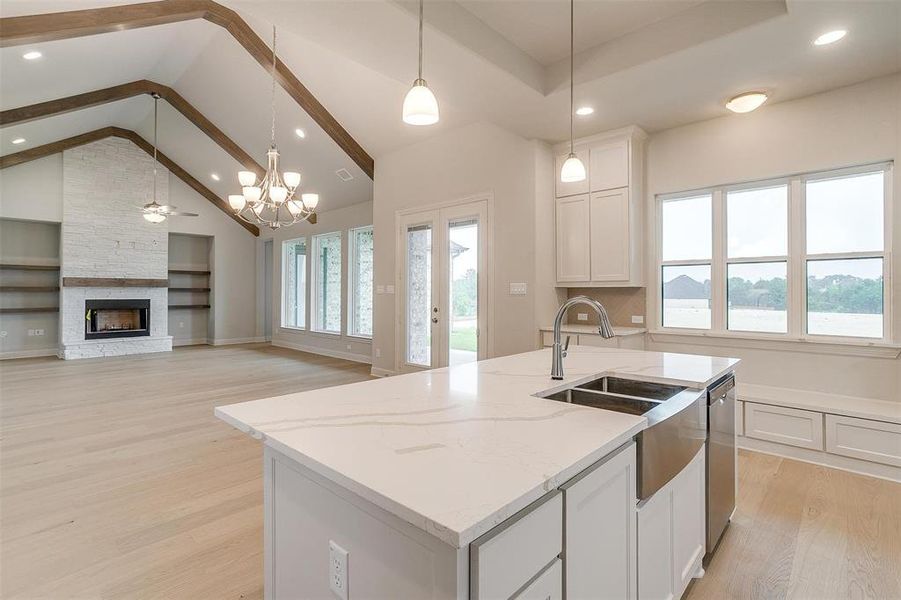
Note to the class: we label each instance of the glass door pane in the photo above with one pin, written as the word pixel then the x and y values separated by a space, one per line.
pixel 463 297
pixel 419 295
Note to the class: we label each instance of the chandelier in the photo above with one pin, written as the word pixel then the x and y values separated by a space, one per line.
pixel 273 201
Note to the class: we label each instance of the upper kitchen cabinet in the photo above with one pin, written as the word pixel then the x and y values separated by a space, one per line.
pixel 603 247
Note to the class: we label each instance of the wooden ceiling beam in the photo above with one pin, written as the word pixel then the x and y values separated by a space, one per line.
pixel 24 114
pixel 98 134
pixel 33 29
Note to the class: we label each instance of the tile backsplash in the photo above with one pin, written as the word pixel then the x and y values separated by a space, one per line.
pixel 621 304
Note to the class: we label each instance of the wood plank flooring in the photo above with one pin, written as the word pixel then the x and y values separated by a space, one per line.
pixel 117 482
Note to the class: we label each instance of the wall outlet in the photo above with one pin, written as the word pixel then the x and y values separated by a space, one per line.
pixel 337 570
pixel 31 333
pixel 3 334
pixel 637 319
pixel 582 316
pixel 181 323
pixel 39 332
pixel 349 347
pixel 378 352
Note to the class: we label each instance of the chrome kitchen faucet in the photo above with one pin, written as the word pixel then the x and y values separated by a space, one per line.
pixel 605 329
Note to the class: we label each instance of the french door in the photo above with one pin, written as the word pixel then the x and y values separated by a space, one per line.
pixel 442 286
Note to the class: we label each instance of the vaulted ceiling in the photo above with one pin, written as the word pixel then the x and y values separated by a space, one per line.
pixel 655 63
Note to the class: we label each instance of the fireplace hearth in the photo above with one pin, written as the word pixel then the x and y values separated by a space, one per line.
pixel 116 319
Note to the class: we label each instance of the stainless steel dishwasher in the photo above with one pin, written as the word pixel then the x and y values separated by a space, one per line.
pixel 720 460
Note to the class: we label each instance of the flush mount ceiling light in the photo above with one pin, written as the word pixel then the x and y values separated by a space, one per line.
pixel 32 55
pixel 271 202
pixel 18 141
pixel 745 103
pixel 830 37
pixel 215 176
pixel 584 111
pixel 154 212
pixel 572 170
pixel 300 133
pixel 420 104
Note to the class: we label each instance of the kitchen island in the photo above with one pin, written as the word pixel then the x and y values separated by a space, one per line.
pixel 406 473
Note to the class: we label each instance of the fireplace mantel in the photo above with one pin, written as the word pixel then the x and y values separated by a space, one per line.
pixel 113 282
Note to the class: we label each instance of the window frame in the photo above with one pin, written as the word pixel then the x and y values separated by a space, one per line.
pixel 315 283
pixel 352 280
pixel 306 288
pixel 796 260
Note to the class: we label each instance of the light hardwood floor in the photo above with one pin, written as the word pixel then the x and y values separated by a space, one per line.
pixel 116 481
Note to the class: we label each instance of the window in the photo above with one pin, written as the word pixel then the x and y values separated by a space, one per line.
pixel 360 282
pixel 294 283
pixel 326 277
pixel 800 257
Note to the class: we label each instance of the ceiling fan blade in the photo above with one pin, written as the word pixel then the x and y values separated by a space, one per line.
pixel 176 213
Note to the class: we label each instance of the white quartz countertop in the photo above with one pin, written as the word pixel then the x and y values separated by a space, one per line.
pixel 456 451
pixel 593 329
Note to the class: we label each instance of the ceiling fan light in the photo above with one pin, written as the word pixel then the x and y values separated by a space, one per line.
pixel 292 179
pixel 155 217
pixel 573 170
pixel 252 194
pixel 237 202
pixel 247 178
pixel 310 200
pixel 745 103
pixel 420 105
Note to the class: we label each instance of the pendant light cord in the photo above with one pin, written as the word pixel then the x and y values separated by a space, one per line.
pixel 156 103
pixel 273 86
pixel 420 40
pixel 571 69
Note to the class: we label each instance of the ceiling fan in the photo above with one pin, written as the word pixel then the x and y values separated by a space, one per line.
pixel 153 211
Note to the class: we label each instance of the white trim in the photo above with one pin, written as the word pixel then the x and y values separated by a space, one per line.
pixel 818 457
pixel 351 356
pixel 379 372
pixel 13 354
pixel 774 341
pixel 232 341
pixel 190 342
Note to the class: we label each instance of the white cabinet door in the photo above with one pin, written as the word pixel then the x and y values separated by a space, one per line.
pixel 655 547
pixel 609 235
pixel 689 522
pixel 548 585
pixel 601 530
pixel 609 166
pixel 573 243
pixel 571 189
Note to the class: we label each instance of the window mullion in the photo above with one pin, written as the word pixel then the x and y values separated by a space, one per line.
pixel 797 304
pixel 718 264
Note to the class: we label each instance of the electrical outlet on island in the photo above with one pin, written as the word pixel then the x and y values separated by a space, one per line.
pixel 582 316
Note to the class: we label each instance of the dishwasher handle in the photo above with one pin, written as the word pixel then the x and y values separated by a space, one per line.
pixel 718 394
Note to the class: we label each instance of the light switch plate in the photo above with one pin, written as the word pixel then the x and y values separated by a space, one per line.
pixel 337 570
pixel 389 289
pixel 518 289
pixel 379 289
pixel 637 319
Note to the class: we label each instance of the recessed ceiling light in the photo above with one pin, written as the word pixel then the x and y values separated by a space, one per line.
pixel 300 133
pixel 830 37
pixel 215 176
pixel 584 111
pixel 32 55
pixel 19 141
pixel 745 103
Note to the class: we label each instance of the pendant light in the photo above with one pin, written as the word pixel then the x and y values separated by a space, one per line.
pixel 420 104
pixel 573 170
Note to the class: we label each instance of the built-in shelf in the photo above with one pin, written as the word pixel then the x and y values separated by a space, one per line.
pixel 189 289
pixel 29 288
pixel 189 306
pixel 188 272
pixel 20 267
pixel 30 309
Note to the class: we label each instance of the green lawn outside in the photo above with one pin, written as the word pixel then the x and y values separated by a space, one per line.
pixel 464 339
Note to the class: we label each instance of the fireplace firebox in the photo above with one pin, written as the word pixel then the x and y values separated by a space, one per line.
pixel 116 318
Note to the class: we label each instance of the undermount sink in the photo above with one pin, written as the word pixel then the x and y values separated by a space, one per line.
pixel 617 394
pixel 585 397
pixel 632 387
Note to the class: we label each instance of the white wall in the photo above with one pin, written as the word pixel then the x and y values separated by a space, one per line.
pixel 343 345
pixel 464 162
pixel 844 127
pixel 33 190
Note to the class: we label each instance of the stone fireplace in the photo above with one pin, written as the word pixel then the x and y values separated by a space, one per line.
pixel 114 264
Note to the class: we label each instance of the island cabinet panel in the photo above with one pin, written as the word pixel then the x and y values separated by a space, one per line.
pixel 601 530
pixel 672 534
pixel 510 556
pixel 547 586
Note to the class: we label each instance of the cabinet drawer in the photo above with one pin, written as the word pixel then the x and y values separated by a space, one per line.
pixel 875 441
pixel 792 426
pixel 739 417
pixel 507 557
pixel 548 586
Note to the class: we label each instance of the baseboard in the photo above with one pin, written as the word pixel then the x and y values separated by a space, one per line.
pixel 360 358
pixel 825 459
pixel 29 353
pixel 230 341
pixel 379 372
pixel 191 342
